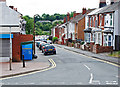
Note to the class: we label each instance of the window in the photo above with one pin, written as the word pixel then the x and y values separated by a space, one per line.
pixel 89 37
pixel 99 38
pixel 95 23
pixel 94 37
pixel 109 40
pixel 110 19
pixel 105 40
pixel 90 22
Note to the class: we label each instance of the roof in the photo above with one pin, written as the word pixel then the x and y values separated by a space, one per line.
pixel 80 16
pixel 108 8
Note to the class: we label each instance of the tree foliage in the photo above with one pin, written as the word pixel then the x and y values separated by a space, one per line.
pixel 40 28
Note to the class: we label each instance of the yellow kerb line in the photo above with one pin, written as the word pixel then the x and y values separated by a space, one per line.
pixel 51 61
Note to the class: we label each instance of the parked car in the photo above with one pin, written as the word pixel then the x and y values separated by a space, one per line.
pixel 40 46
pixel 49 49
pixel 45 41
pixel 43 46
pixel 49 41
pixel 38 43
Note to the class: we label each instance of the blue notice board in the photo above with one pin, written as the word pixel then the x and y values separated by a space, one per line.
pixel 27 51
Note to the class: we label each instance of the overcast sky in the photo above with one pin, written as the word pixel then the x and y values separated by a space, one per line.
pixel 31 7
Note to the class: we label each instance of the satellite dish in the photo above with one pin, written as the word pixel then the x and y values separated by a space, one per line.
pixel 108 2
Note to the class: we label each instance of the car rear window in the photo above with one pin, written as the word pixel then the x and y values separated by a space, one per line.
pixel 49 47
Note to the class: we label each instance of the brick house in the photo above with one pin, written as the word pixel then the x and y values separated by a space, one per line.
pixel 102 29
pixel 9 21
pixel 79 24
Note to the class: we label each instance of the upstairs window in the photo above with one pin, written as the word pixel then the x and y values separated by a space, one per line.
pixel 111 17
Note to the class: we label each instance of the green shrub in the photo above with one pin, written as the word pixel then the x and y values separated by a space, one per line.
pixel 54 39
pixel 82 42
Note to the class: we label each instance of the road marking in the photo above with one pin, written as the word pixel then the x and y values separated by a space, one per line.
pixel 96 82
pixel 111 83
pixel 91 78
pixel 53 66
pixel 87 67
pixel 95 58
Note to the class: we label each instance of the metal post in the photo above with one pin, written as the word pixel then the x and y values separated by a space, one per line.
pixel 23 61
pixel 10 50
pixel 34 36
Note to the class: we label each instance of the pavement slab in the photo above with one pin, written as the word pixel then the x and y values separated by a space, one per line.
pixel 17 68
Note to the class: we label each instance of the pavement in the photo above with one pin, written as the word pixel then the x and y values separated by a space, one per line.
pixel 101 56
pixel 30 66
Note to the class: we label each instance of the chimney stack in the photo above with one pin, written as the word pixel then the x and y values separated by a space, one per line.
pixel 64 19
pixel 74 14
pixel 15 9
pixel 102 3
pixel 12 7
pixel 83 11
pixel 68 16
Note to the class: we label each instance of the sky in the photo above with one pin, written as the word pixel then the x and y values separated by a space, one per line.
pixel 32 7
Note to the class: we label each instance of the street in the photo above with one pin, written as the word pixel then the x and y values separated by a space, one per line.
pixel 71 69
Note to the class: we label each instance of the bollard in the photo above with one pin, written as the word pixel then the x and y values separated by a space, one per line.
pixel 23 62
pixel 10 64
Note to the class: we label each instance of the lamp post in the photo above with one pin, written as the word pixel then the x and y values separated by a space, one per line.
pixel 34 35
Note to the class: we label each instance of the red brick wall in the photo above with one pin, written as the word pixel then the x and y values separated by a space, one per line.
pixel 16 45
pixel 57 32
pixel 96 48
pixel 81 27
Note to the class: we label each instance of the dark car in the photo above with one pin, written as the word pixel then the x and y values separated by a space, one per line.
pixel 43 46
pixel 38 43
pixel 40 46
pixel 49 41
pixel 49 49
pixel 45 41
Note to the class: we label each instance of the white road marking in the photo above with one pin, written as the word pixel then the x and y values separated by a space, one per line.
pixel 91 78
pixel 96 82
pixel 87 67
pixel 94 58
pixel 111 82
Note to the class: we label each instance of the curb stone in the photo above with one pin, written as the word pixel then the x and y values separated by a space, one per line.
pixel 26 72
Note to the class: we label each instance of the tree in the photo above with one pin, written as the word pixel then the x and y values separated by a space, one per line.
pixel 29 24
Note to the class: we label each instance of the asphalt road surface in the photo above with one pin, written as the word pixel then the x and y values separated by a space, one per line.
pixel 71 69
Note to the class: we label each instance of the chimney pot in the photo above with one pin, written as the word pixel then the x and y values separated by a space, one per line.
pixel 83 11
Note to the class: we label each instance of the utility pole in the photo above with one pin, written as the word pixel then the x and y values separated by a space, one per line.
pixel 10 50
pixel 34 36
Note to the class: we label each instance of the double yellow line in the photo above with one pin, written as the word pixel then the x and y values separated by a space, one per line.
pixel 53 65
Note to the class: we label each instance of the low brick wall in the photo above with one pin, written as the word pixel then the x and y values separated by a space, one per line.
pixel 87 47
pixel 101 49
pixel 16 45
pixel 96 48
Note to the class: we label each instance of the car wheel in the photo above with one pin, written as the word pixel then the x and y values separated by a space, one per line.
pixel 54 52
pixel 45 53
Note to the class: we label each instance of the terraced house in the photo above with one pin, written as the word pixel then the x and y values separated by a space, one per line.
pixel 12 33
pixel 103 29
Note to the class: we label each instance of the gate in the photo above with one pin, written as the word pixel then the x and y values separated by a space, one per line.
pixel 117 42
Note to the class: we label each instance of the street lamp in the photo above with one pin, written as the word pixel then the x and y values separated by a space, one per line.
pixel 34 35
